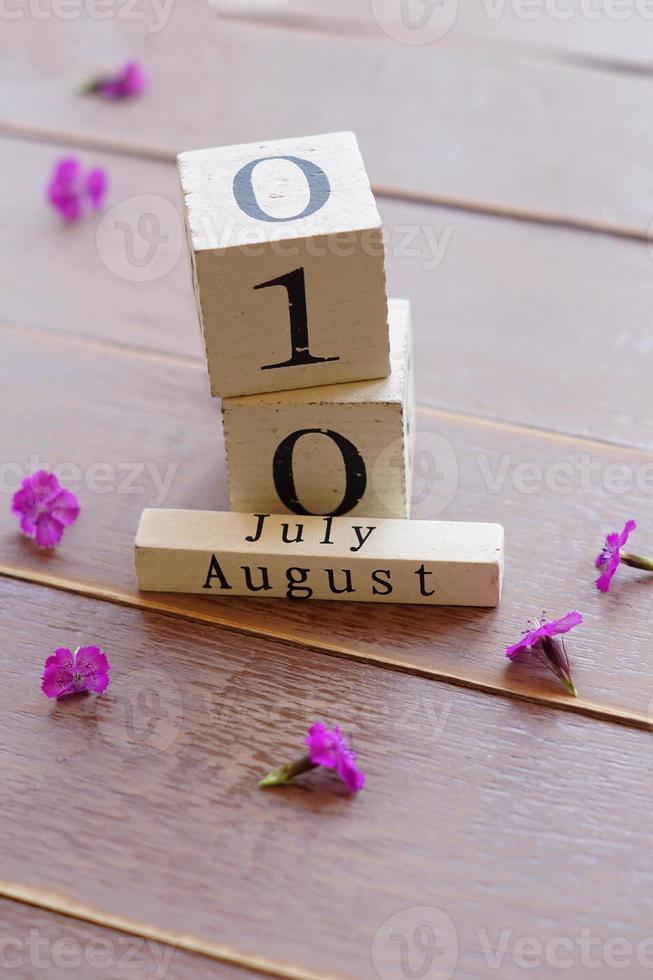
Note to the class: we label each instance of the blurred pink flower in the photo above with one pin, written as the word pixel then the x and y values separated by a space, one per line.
pixel 45 508
pixel 129 81
pixel 72 192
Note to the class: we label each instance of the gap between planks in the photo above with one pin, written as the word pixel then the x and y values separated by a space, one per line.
pixel 62 905
pixel 30 132
pixel 320 26
pixel 56 335
pixel 579 706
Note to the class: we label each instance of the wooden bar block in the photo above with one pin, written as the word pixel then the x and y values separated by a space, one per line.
pixel 288 264
pixel 228 554
pixel 338 449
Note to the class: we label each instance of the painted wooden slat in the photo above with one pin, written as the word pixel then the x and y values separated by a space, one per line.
pixel 144 803
pixel 605 34
pixel 35 940
pixel 553 142
pixel 503 311
pixel 136 431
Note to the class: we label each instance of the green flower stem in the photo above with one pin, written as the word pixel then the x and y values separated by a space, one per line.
pixel 283 775
pixel 635 561
pixel 570 686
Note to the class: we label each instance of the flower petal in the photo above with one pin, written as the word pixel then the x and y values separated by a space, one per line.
pixel 67 170
pixel 64 507
pixel 563 625
pixel 324 745
pixel 96 186
pixel 629 527
pixel 604 580
pixel 48 530
pixel 527 640
pixel 57 679
pixel 94 667
pixel 349 772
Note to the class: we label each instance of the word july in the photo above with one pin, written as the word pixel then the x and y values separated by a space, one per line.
pixel 266 555
pixel 299 532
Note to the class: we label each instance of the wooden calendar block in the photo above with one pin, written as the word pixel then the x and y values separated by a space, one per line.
pixel 229 554
pixel 288 264
pixel 338 449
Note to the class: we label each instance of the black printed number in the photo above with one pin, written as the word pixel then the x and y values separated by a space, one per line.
pixel 284 479
pixel 293 283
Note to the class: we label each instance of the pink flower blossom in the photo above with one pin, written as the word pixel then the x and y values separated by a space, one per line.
pixel 610 555
pixel 67 673
pixel 541 642
pixel 129 81
pixel 72 192
pixel 45 508
pixel 330 749
pixel 326 748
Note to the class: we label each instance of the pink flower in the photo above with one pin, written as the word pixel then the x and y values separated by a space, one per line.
pixel 45 508
pixel 72 192
pixel 330 749
pixel 610 555
pixel 325 748
pixel 129 81
pixel 541 642
pixel 67 673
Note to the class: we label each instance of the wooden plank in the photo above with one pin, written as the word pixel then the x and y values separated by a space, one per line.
pixel 138 431
pixel 606 34
pixel 91 276
pixel 480 327
pixel 144 802
pixel 527 122
pixel 35 940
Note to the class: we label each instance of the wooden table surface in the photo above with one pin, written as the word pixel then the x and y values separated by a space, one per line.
pixel 513 167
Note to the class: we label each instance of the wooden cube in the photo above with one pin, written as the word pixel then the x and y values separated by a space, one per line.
pixel 338 449
pixel 288 264
pixel 217 554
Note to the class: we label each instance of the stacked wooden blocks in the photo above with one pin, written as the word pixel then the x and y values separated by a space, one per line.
pixel 313 365
pixel 288 258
